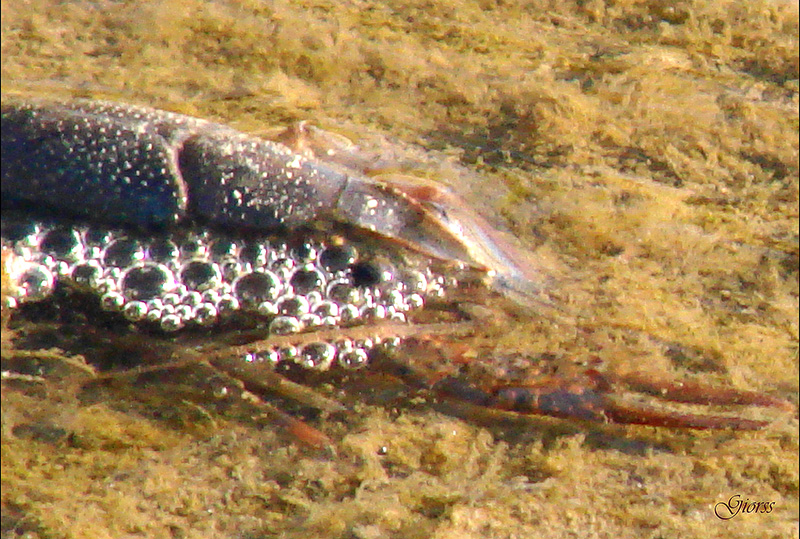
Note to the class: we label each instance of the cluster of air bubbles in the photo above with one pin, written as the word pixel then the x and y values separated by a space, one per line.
pixel 198 277
pixel 345 353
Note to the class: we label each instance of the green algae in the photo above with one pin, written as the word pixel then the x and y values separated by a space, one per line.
pixel 647 149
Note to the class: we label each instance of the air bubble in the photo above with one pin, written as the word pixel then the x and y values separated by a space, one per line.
pixel 163 251
pixel 307 252
pixel 284 325
pixel 338 257
pixel 63 244
pixel 205 314
pixel 254 254
pixel 193 247
pixel 354 359
pixel 146 281
pixel 343 292
pixel 317 355
pixel 326 308
pixel 135 311
pixel 223 249
pixel 123 252
pixel 256 288
pixel 112 301
pixel 35 283
pixel 171 322
pixel 199 275
pixel 293 306
pixel 306 279
pixel 87 275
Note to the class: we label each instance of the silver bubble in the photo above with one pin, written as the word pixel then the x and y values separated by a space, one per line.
pixel 200 275
pixel 35 283
pixel 135 311
pixel 284 325
pixel 147 281
pixel 205 314
pixel 123 252
pixel 354 359
pixel 257 287
pixel 317 355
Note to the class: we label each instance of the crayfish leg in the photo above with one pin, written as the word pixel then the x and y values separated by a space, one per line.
pixel 241 393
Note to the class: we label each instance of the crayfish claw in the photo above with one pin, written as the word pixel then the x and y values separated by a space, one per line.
pixel 632 414
pixel 684 392
pixel 689 392
pixel 593 396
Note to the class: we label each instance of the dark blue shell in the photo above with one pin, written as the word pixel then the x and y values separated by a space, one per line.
pixel 131 165
pixel 127 165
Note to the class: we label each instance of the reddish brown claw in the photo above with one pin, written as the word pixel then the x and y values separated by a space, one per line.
pixel 593 396
pixel 694 393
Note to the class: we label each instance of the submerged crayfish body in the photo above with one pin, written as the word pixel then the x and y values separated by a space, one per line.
pixel 177 222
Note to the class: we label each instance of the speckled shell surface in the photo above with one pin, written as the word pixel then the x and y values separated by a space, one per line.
pixel 132 165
